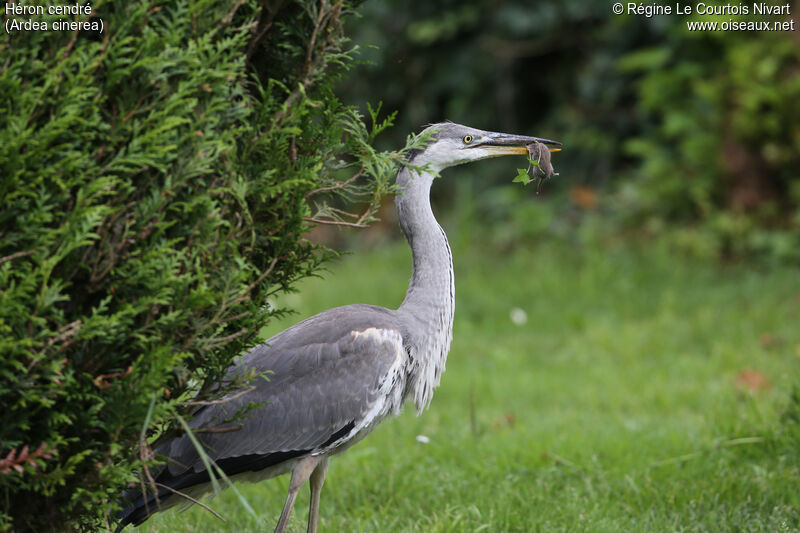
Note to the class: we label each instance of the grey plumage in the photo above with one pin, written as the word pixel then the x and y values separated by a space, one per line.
pixel 336 375
pixel 302 414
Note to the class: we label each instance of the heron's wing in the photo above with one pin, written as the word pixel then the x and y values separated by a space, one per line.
pixel 328 376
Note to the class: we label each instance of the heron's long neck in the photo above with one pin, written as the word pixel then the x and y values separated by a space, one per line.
pixel 430 300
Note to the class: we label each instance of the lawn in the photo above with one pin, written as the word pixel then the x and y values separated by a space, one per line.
pixel 634 390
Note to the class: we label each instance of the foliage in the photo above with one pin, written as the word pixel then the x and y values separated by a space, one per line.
pixel 690 133
pixel 157 183
pixel 720 142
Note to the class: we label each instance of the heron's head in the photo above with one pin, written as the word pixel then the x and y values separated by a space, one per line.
pixel 453 144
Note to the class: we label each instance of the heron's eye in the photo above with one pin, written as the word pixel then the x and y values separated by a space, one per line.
pixel 467 139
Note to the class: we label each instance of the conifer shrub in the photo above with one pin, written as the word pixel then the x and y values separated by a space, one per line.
pixel 157 180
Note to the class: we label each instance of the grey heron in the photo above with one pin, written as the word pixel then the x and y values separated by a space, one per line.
pixel 338 374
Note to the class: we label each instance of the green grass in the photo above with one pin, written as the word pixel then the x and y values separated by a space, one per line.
pixel 614 408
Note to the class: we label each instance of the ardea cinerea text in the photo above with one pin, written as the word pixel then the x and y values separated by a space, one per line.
pixel 336 375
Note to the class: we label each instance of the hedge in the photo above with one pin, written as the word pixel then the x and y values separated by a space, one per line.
pixel 158 181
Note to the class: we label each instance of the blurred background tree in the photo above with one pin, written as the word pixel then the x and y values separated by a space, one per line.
pixel 690 135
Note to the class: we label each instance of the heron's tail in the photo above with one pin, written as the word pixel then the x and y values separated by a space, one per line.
pixel 141 506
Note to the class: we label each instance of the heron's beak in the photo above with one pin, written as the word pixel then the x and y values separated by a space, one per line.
pixel 505 144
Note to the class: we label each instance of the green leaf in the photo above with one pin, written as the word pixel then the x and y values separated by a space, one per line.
pixel 522 177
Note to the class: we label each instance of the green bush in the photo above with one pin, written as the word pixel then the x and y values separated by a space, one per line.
pixel 688 134
pixel 157 182
pixel 719 145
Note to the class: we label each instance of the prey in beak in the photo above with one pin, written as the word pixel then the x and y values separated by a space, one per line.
pixel 537 149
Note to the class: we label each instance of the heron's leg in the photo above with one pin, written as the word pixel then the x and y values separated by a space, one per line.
pixel 300 474
pixel 317 479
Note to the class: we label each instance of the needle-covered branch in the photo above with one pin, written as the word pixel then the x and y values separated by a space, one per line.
pixel 157 184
